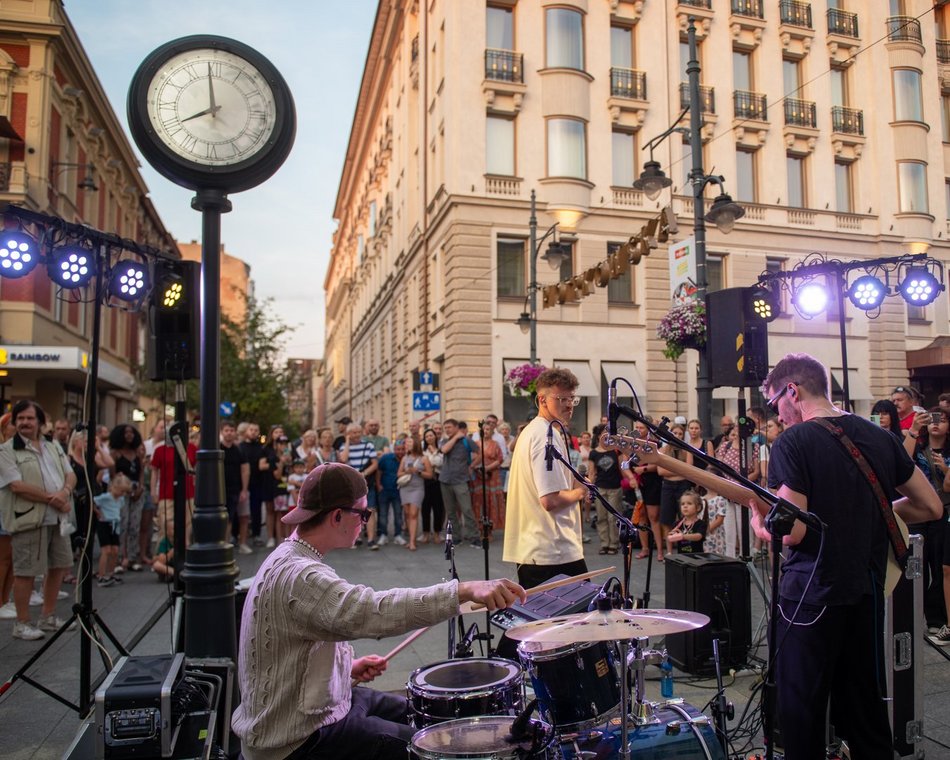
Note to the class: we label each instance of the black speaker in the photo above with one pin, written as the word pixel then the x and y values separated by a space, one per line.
pixel 737 339
pixel 173 342
pixel 718 587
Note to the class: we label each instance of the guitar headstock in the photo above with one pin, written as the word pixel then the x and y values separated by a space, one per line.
pixel 627 444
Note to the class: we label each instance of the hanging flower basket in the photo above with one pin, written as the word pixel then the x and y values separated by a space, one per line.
pixel 683 326
pixel 523 379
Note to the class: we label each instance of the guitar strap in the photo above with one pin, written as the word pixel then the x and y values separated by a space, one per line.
pixel 887 509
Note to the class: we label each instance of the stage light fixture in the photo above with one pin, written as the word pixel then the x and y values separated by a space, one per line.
pixel 811 299
pixel 18 254
pixel 920 287
pixel 170 289
pixel 867 292
pixel 71 266
pixel 129 280
pixel 764 303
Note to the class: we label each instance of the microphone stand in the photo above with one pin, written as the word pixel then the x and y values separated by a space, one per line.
pixel 486 530
pixel 780 520
pixel 453 572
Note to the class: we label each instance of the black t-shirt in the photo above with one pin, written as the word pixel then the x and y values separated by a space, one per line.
pixel 692 547
pixel 233 459
pixel 808 459
pixel 131 468
pixel 253 451
pixel 606 468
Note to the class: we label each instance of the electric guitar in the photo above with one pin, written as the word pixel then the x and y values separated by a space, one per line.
pixel 648 452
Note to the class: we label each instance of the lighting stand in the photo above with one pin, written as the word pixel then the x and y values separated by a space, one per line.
pixel 83 612
pixel 487 526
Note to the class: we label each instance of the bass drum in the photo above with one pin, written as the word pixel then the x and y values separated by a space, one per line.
pixel 484 738
pixel 464 688
pixel 672 738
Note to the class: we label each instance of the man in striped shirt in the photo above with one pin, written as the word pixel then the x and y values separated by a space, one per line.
pixel 361 455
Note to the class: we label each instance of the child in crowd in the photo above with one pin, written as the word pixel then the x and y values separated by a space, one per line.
pixel 298 474
pixel 689 532
pixel 162 563
pixel 108 507
pixel 716 509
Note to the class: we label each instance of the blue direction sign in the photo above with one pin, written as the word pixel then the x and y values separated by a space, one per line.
pixel 426 401
pixel 226 408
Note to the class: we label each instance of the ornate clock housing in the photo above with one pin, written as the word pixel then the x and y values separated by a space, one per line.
pixel 209 112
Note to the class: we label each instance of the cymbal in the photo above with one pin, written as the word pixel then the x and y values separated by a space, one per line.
pixel 611 625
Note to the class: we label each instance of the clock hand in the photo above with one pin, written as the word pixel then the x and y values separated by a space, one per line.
pixel 201 113
pixel 214 109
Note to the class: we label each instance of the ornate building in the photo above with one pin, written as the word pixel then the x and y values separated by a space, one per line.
pixel 63 152
pixel 831 126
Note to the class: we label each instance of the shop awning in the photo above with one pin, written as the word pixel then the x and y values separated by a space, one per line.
pixel 588 386
pixel 932 360
pixel 628 371
pixel 858 388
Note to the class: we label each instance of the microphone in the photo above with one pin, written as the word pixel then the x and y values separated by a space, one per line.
pixel 549 449
pixel 612 411
pixel 519 728
pixel 448 539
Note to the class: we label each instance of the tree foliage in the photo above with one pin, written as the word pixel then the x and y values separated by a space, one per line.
pixel 254 375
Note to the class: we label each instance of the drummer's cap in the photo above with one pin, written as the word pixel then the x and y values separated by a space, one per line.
pixel 330 486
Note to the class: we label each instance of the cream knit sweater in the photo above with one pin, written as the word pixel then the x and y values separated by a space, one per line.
pixel 294 662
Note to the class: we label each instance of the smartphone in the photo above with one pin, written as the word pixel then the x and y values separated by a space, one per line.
pixel 876 419
pixel 936 418
pixel 919 409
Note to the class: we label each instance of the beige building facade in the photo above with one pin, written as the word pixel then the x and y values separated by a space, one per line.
pixel 64 153
pixel 830 126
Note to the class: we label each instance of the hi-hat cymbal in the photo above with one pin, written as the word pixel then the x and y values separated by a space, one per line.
pixel 611 625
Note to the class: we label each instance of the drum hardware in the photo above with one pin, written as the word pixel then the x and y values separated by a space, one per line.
pixel 644 711
pixel 488 737
pixel 465 688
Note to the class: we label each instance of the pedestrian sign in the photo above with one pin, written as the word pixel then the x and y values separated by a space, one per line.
pixel 426 401
pixel 226 409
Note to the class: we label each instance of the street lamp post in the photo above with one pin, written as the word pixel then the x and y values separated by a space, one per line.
pixel 528 321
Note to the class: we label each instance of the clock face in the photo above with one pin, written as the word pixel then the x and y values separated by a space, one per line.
pixel 211 107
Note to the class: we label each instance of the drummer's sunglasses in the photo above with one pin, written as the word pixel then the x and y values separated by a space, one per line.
pixel 364 514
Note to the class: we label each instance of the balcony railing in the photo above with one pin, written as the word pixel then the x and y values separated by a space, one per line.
pixel 751 8
pixel 841 22
pixel 800 113
pixel 707 97
pixel 749 105
pixel 943 51
pixel 504 65
pixel 795 13
pixel 849 121
pixel 903 28
pixel 628 83
pixel 707 4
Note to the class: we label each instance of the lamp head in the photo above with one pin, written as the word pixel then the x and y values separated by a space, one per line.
pixel 524 322
pixel 652 180
pixel 555 255
pixel 724 213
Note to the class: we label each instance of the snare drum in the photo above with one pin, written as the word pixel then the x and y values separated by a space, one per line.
pixel 577 685
pixel 484 738
pixel 671 738
pixel 464 689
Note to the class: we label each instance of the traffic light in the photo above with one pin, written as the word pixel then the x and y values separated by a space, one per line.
pixel 174 321
pixel 737 339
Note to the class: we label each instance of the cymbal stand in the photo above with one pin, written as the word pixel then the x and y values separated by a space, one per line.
pixel 644 710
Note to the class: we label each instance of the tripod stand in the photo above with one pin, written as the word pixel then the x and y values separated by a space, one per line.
pixel 83 612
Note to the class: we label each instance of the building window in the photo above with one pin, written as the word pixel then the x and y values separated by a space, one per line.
pixel 372 218
pixel 566 271
pixel 946 197
pixel 499 28
pixel 795 166
pixel 945 117
pixel 912 187
pixel 839 87
pixel 360 249
pixel 844 199
pixel 623 158
pixel 620 289
pixel 621 46
pixel 908 100
pixel 500 146
pixel 565 39
pixel 741 71
pixel 775 266
pixel 714 273
pixel 567 150
pixel 746 188
pixel 510 268
pixel 791 77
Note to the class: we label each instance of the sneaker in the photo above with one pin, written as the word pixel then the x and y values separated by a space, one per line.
pixel 400 541
pixel 383 540
pixel 942 637
pixel 359 542
pixel 27 631
pixel 36 599
pixel 53 623
pixel 60 595
pixel 135 567
pixel 373 546
pixel 105 581
pixel 8 611
pixel 586 539
pixel 245 549
pixel 271 543
pixel 119 570
pixel 118 579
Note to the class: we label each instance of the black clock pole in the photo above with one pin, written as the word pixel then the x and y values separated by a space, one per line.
pixel 210 570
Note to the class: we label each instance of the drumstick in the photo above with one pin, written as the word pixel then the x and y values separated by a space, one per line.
pixel 469 607
pixel 405 642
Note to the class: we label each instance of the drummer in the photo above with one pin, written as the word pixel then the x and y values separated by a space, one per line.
pixel 295 667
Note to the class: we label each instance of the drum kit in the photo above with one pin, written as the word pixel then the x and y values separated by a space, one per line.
pixel 581 670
